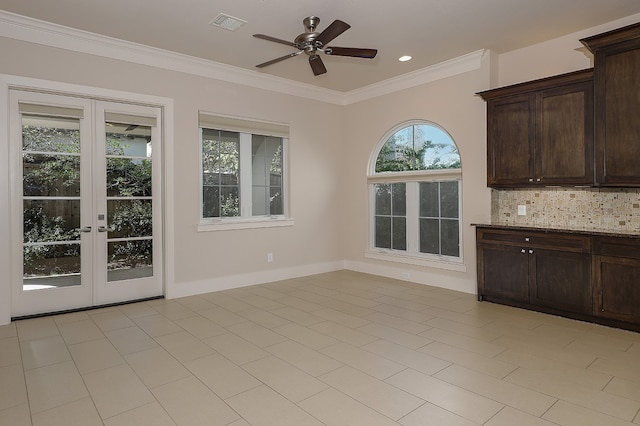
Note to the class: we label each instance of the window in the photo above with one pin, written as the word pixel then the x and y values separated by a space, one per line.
pixel 243 170
pixel 415 180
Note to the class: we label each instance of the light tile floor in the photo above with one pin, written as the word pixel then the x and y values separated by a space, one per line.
pixel 340 348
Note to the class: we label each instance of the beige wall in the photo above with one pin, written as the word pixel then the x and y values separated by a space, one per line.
pixel 329 152
pixel 450 103
pixel 204 259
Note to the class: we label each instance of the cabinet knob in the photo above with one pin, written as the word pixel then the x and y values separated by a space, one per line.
pixel 530 251
pixel 523 251
pixel 531 180
pixel 538 180
pixel 526 239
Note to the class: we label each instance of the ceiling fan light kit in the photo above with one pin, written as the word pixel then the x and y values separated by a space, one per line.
pixel 312 43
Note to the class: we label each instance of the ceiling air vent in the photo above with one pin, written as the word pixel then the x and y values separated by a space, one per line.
pixel 227 22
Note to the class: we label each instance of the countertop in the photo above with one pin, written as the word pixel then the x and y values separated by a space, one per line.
pixel 589 232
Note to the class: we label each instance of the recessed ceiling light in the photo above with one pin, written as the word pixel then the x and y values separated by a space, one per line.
pixel 404 58
pixel 227 22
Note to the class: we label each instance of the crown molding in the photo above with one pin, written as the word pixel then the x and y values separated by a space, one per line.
pixel 465 63
pixel 32 30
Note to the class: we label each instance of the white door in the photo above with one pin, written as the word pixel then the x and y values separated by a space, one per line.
pixel 86 206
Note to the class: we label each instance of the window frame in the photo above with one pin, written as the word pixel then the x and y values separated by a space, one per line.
pixel 246 129
pixel 412 179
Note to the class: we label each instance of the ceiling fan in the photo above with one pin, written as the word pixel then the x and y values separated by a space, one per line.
pixel 311 43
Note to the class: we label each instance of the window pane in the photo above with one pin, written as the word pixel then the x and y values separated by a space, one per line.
pixel 399 199
pixel 128 177
pixel 449 199
pixel 450 238
pixel 211 201
pixel 430 236
pixel 277 206
pixel 52 264
pixel 266 174
pixel 51 175
pixel 260 201
pixel 418 147
pixel 48 134
pixel 429 199
pixel 383 199
pixel 399 233
pixel 130 218
pixel 220 173
pixel 229 201
pixel 383 232
pixel 51 220
pixel 129 260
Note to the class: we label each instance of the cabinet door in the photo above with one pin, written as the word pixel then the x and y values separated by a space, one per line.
pixel 561 280
pixel 617 124
pixel 617 285
pixel 510 134
pixel 564 135
pixel 503 272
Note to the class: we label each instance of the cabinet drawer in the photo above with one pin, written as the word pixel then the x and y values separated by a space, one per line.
pixel 617 247
pixel 536 239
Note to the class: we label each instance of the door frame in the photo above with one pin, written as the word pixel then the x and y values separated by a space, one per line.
pixel 7 254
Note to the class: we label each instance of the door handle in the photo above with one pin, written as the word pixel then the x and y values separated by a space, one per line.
pixel 85 229
pixel 102 228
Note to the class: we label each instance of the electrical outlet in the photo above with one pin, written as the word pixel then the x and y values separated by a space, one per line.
pixel 269 257
pixel 522 210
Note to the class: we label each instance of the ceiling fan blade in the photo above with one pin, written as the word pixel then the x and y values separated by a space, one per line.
pixel 281 58
pixel 317 65
pixel 336 28
pixel 351 51
pixel 275 40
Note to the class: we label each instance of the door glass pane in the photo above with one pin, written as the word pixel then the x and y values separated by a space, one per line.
pixel 51 202
pixel 130 259
pixel 129 203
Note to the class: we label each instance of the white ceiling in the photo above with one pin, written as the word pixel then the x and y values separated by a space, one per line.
pixel 431 31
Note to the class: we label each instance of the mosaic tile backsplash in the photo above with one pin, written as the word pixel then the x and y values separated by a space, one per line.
pixel 592 209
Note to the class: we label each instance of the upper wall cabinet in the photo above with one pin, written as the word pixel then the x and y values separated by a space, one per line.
pixel 617 105
pixel 540 133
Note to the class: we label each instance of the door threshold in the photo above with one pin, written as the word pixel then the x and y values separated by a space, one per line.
pixel 86 308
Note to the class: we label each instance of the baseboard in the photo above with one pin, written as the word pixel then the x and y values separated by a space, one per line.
pixel 191 288
pixel 446 279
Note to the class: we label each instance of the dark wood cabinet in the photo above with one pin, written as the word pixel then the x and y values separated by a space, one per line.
pixel 546 269
pixel 617 84
pixel 588 276
pixel 616 266
pixel 561 280
pixel 541 132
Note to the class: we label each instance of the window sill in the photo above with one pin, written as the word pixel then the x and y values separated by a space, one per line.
pixel 228 225
pixel 450 265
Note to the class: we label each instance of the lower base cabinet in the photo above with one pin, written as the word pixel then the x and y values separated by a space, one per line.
pixel 616 266
pixel 577 275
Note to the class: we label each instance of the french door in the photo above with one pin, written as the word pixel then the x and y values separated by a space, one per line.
pixel 86 202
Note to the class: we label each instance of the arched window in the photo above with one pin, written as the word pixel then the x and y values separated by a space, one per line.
pixel 415 185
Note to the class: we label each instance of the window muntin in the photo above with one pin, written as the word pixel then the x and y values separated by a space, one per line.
pixel 242 175
pixel 391 216
pixel 220 173
pixel 417 172
pixel 439 218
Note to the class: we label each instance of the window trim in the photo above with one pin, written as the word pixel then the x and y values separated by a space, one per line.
pixel 246 128
pixel 412 255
